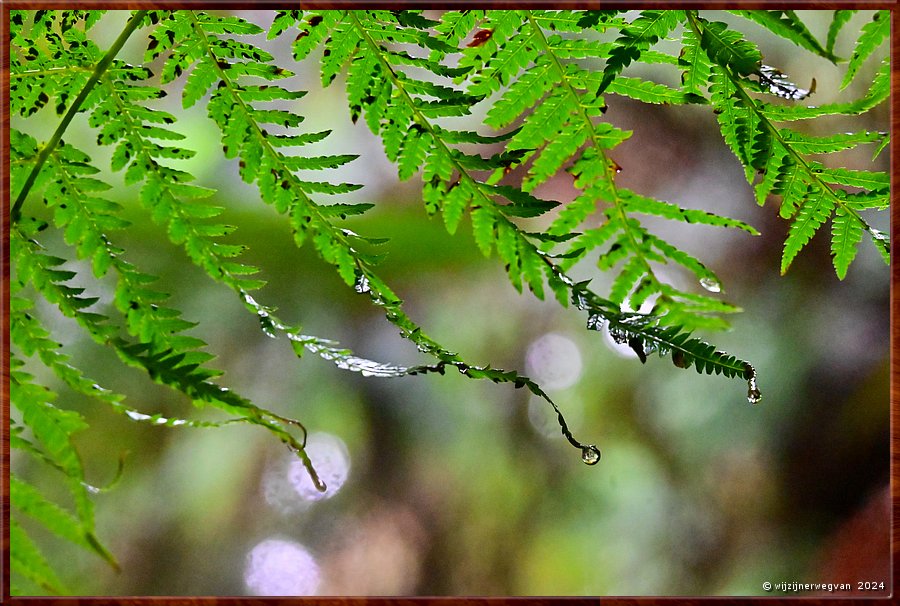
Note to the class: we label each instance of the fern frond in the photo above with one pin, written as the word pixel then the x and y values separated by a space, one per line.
pixel 636 203
pixel 173 361
pixel 56 59
pixel 52 428
pixel 808 198
pixel 642 333
pixel 565 123
pixel 279 186
pixel 735 122
pixel 872 35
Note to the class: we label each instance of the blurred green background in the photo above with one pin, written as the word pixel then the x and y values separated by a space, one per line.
pixel 459 487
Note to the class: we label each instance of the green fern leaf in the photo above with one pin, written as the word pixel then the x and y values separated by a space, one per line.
pixel 812 214
pixel 789 26
pixel 792 185
pixel 53 427
pixel 684 259
pixel 806 144
pixel 31 502
pixel 840 18
pixel 770 174
pixel 532 269
pixel 636 203
pixel 651 92
pixel 27 560
pixel 632 271
pixel 873 34
pixel 727 47
pixel 521 95
pixel 454 26
pixel 456 200
pixel 694 62
pixel 483 225
pixel 734 120
pixel 871 180
pixel 522 204
pixel 638 36
pixel 846 235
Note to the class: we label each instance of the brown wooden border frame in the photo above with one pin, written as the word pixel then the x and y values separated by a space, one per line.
pixel 6 6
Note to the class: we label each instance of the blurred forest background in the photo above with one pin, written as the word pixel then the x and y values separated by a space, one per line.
pixel 443 485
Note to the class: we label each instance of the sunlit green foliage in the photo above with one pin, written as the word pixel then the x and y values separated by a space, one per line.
pixel 540 79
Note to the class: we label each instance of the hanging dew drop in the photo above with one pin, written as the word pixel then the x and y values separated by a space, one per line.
pixel 590 454
pixel 753 393
pixel 710 284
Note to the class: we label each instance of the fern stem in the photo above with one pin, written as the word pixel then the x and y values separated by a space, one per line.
pixel 101 67
pixel 697 28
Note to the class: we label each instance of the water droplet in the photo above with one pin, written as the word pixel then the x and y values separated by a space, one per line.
pixel 136 416
pixel 362 284
pixel 778 84
pixel 590 454
pixel 753 393
pixel 330 458
pixel 711 284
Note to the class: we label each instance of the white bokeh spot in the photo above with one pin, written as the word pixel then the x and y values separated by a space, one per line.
pixel 276 567
pixel 554 361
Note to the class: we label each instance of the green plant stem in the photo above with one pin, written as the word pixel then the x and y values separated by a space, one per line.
pixel 99 69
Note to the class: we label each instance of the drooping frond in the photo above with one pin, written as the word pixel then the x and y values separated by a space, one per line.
pixel 452 180
pixel 245 126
